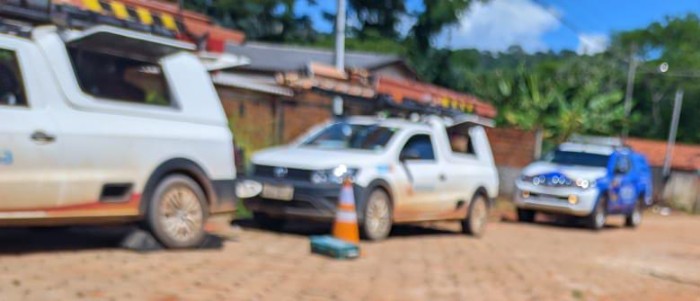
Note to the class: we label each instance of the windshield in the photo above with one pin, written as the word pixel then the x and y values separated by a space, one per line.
pixel 577 158
pixel 351 136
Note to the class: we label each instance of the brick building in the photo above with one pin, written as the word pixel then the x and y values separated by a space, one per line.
pixel 682 188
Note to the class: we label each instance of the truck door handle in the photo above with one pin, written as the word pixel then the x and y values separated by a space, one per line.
pixel 442 177
pixel 42 137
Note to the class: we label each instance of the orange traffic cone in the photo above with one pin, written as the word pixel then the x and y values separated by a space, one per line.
pixel 345 226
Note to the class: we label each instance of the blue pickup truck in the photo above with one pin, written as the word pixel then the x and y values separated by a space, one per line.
pixel 586 180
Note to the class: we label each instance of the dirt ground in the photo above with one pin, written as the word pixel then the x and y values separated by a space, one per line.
pixel 544 261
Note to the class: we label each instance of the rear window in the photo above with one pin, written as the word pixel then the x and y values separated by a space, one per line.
pixel 120 79
pixel 577 158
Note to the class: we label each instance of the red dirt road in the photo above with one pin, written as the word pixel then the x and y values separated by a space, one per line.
pixel 659 261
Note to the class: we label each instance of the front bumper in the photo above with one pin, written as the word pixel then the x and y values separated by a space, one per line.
pixel 555 199
pixel 309 201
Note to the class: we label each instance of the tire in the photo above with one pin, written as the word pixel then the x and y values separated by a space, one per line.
pixel 596 220
pixel 267 222
pixel 477 217
pixel 526 215
pixel 177 213
pixel 633 219
pixel 377 218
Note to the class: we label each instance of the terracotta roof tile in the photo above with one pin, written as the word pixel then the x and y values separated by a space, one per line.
pixel 685 156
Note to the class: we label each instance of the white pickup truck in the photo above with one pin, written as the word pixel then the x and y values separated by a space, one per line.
pixel 110 125
pixel 403 171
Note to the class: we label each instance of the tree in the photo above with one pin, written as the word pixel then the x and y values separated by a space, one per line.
pixel 674 41
pixel 377 18
pixel 269 20
pixel 436 16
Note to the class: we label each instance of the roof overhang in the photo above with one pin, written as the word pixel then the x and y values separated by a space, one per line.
pixel 243 82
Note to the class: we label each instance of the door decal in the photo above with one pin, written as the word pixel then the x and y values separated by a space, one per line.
pixel 6 157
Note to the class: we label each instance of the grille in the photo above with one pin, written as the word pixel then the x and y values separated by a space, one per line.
pixel 292 173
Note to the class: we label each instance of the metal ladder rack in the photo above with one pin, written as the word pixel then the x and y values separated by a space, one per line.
pixel 43 12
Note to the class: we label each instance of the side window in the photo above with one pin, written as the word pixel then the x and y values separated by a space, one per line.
pixel 622 166
pixel 11 85
pixel 418 147
pixel 119 78
pixel 460 142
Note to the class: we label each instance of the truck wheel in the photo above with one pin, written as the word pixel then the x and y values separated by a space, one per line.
pixel 267 222
pixel 177 212
pixel 526 216
pixel 596 220
pixel 475 223
pixel 633 219
pixel 376 224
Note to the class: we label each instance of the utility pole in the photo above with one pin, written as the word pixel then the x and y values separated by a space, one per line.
pixel 677 104
pixel 339 52
pixel 340 36
pixel 631 73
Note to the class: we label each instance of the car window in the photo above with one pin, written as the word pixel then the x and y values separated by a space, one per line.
pixel 120 79
pixel 577 158
pixel 623 165
pixel 419 146
pixel 460 142
pixel 11 85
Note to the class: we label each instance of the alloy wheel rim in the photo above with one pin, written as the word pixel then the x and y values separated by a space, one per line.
pixel 181 213
pixel 377 216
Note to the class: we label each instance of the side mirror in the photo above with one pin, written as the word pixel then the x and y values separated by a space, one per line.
pixel 409 155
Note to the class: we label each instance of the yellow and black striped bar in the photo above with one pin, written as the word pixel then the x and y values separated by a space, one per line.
pixel 122 11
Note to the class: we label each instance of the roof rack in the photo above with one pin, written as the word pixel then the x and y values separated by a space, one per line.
pixel 597 140
pixel 409 108
pixel 70 16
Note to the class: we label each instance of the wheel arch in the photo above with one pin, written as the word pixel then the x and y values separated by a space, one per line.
pixel 481 191
pixel 374 184
pixel 179 166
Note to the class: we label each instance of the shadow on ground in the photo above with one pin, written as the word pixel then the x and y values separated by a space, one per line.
pixel 555 221
pixel 36 240
pixel 307 228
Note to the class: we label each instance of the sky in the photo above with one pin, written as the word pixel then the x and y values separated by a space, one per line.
pixel 584 26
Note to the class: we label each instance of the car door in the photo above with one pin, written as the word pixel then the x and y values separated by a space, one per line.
pixel 426 177
pixel 623 191
pixel 30 168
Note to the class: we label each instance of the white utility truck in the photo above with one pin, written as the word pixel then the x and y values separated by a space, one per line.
pixel 435 168
pixel 109 125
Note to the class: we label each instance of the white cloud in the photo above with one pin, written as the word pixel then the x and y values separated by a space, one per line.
pixel 498 24
pixel 592 43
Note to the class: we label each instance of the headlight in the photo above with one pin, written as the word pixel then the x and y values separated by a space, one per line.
pixel 583 183
pixel 333 175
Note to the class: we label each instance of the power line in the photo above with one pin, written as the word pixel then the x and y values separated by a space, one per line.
pixel 575 29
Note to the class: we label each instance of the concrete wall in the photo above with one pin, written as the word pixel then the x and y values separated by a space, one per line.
pixel 681 191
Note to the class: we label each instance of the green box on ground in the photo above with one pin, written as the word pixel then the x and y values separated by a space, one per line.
pixel 330 246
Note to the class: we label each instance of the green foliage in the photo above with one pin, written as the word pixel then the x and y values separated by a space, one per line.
pixel 434 18
pixel 377 18
pixel 676 42
pixel 270 20
pixel 560 93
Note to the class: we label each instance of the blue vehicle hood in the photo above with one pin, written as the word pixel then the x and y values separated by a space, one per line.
pixel 572 172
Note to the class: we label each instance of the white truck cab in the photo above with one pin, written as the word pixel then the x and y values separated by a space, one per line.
pixel 403 171
pixel 110 125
